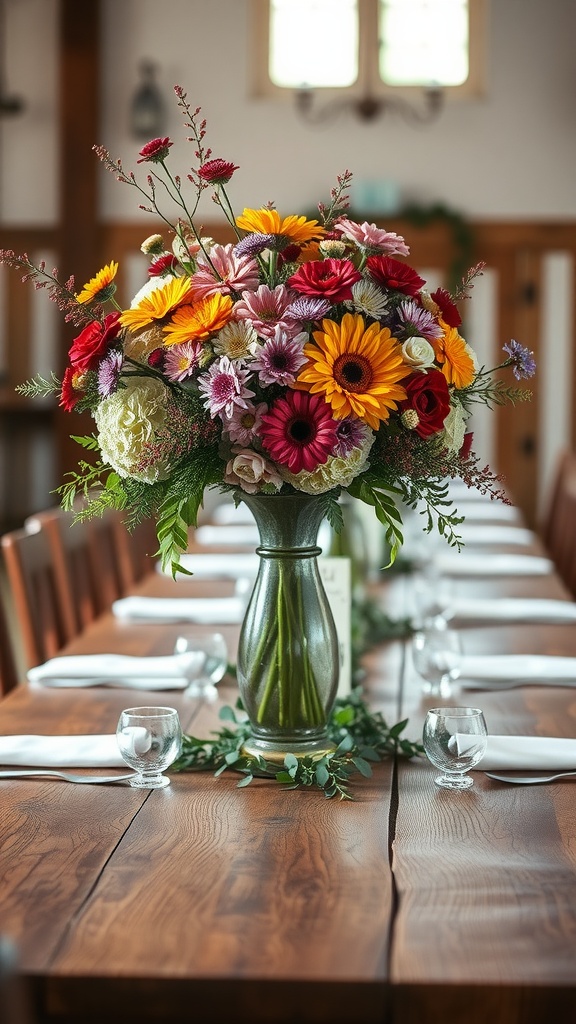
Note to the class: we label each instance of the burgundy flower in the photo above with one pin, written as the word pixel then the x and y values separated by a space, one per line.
pixel 155 151
pixel 217 172
pixel 429 398
pixel 331 279
pixel 93 342
pixel 298 431
pixel 394 274
pixel 69 396
pixel 448 309
pixel 156 358
pixel 163 264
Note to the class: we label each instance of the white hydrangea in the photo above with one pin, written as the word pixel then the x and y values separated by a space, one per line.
pixel 337 471
pixel 127 424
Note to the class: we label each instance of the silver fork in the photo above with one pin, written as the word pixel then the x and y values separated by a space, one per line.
pixel 21 773
pixel 527 780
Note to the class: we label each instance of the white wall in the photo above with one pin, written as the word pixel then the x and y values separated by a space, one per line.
pixel 511 154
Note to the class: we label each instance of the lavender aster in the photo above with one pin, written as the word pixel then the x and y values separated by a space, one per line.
pixel 521 359
pixel 224 386
pixel 416 321
pixel 280 358
pixel 109 373
pixel 307 308
pixel 254 244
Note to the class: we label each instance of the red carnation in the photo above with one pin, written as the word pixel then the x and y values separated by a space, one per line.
pixel 93 342
pixel 155 151
pixel 448 309
pixel 429 397
pixel 329 279
pixel 394 274
pixel 217 172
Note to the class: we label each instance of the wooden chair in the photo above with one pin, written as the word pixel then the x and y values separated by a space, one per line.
pixel 8 670
pixel 43 612
pixel 559 528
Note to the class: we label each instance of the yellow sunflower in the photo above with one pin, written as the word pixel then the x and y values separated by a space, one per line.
pixel 269 222
pixel 157 304
pixel 453 354
pixel 357 368
pixel 101 287
pixel 200 320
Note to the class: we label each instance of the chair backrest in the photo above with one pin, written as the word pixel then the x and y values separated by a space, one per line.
pixel 559 530
pixel 40 612
pixel 8 669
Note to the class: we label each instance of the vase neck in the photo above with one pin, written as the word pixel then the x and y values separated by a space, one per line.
pixel 287 522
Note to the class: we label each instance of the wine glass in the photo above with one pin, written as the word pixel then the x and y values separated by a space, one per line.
pixel 149 739
pixel 454 741
pixel 437 654
pixel 203 660
pixel 433 597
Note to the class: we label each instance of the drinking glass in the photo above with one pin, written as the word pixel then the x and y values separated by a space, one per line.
pixel 437 654
pixel 433 600
pixel 454 741
pixel 149 739
pixel 203 660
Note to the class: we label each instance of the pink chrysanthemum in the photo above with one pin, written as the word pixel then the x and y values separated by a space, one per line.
pixel 245 424
pixel 280 358
pixel 181 360
pixel 224 386
pixel 224 273
pixel 416 321
pixel 299 431
pixel 265 309
pixel 373 239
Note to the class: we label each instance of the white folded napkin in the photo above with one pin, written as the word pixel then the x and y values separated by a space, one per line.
pixel 528 753
pixel 535 669
pixel 205 610
pixel 234 534
pixel 463 563
pixel 119 670
pixel 61 751
pixel 513 609
pixel 493 511
pixel 227 565
pixel 495 533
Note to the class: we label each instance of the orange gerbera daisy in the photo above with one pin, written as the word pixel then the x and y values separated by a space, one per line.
pixel 157 304
pixel 269 222
pixel 101 287
pixel 199 320
pixel 454 356
pixel 357 368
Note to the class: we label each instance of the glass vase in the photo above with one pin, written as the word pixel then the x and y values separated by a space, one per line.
pixel 288 654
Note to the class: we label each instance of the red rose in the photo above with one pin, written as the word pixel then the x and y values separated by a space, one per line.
pixel 444 300
pixel 394 274
pixel 429 398
pixel 93 342
pixel 330 279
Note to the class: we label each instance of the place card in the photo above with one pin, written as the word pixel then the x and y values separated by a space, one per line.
pixel 336 575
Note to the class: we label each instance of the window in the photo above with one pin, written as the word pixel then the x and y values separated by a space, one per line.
pixel 369 45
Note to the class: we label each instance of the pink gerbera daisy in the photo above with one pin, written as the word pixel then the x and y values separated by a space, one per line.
pixel 224 386
pixel 280 358
pixel 299 431
pixel 266 309
pixel 181 360
pixel 224 272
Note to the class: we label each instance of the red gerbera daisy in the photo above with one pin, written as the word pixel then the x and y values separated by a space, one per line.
pixel 298 431
pixel 395 274
pixel 217 172
pixel 69 394
pixel 331 279
pixel 448 308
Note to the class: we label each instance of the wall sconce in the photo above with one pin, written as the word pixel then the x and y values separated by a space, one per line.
pixel 369 108
pixel 147 111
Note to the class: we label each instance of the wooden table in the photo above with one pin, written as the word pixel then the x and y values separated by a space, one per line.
pixel 204 902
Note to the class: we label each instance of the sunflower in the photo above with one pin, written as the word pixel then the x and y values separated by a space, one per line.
pixel 455 357
pixel 157 304
pixel 200 320
pixel 101 287
pixel 269 222
pixel 356 367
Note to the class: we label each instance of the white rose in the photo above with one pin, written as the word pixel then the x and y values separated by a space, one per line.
pixel 418 352
pixel 127 423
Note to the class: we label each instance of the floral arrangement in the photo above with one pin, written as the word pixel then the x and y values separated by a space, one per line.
pixel 304 355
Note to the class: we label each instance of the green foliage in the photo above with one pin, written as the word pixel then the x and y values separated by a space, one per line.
pixel 360 737
pixel 39 387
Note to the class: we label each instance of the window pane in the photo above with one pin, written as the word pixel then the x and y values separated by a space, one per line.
pixel 313 42
pixel 424 42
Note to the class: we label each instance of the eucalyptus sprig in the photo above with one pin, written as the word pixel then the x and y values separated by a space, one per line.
pixel 359 736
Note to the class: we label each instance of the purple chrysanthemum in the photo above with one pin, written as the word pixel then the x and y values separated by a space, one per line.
pixel 109 373
pixel 224 386
pixel 280 358
pixel 307 308
pixel 521 359
pixel 254 244
pixel 418 322
pixel 351 433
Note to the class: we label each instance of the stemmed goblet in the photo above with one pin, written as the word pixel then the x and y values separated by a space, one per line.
pixel 149 740
pixel 203 660
pixel 454 740
pixel 436 654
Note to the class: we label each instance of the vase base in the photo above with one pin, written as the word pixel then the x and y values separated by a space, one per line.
pixel 275 751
